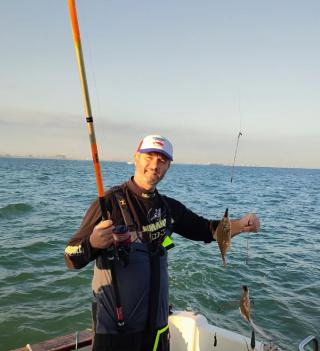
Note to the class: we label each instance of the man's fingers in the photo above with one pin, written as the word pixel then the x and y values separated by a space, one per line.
pixel 101 236
pixel 251 228
pixel 255 223
pixel 251 223
pixel 104 224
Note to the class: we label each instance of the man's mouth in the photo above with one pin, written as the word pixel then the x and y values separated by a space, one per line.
pixel 153 174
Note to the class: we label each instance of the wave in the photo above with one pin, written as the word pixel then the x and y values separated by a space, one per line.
pixel 14 210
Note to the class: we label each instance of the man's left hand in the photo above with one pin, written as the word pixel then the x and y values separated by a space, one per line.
pixel 250 223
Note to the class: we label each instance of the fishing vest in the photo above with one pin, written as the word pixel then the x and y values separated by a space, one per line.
pixel 156 249
pixel 120 196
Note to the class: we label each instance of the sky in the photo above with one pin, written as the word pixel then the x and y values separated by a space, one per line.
pixel 197 72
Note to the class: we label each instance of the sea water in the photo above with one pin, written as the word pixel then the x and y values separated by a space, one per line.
pixel 42 203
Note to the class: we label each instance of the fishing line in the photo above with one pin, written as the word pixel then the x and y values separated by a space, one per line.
pixel 223 231
pixel 231 181
pixel 247 256
pixel 233 168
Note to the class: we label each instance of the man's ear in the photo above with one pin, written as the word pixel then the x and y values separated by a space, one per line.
pixel 136 157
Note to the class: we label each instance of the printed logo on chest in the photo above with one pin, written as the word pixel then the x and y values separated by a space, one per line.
pixel 157 224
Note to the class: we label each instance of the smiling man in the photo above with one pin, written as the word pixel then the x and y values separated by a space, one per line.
pixel 130 281
pixel 152 160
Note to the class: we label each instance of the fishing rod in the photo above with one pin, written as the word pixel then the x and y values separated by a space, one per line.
pixel 87 106
pixel 235 156
pixel 94 148
pixel 238 139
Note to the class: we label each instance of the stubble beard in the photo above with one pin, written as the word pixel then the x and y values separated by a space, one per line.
pixel 154 179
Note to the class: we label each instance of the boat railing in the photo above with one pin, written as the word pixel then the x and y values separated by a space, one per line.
pixel 307 341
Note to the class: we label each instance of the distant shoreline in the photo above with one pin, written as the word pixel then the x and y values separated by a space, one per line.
pixel 65 158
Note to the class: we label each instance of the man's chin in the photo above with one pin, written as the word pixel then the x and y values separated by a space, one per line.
pixel 153 180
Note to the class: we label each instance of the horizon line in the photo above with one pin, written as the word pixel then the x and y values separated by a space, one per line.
pixel 66 158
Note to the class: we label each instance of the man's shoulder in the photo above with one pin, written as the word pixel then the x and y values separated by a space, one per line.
pixel 121 187
pixel 171 201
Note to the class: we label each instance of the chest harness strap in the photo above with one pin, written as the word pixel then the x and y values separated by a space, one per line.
pixel 124 208
pixel 155 251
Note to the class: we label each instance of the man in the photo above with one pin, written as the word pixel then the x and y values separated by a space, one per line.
pixel 130 281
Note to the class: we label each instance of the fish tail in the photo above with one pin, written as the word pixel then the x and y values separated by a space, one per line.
pixel 244 316
pixel 224 261
pixel 260 331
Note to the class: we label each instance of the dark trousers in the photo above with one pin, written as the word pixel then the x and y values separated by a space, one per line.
pixel 130 342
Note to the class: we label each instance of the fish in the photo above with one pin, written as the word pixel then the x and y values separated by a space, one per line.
pixel 223 236
pixel 245 308
pixel 245 311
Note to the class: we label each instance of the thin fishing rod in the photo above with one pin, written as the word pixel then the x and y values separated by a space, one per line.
pixel 239 135
pixel 87 106
pixel 94 149
pixel 235 156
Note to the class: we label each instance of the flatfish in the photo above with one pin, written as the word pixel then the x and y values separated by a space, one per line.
pixel 223 236
pixel 245 308
pixel 245 311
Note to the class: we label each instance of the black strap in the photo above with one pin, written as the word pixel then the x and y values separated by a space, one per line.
pixel 125 211
pixel 154 256
pixel 118 312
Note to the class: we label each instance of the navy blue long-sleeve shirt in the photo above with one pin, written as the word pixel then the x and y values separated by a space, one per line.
pixel 150 212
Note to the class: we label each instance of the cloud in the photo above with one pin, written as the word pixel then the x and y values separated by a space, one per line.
pixel 44 133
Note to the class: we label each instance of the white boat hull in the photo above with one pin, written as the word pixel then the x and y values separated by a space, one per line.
pixel 188 332
pixel 191 332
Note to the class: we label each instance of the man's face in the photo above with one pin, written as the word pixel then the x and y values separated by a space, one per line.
pixel 150 169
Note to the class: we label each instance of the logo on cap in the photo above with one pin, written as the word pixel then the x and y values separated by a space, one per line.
pixel 158 142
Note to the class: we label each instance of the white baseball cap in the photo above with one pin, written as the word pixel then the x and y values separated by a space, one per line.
pixel 156 143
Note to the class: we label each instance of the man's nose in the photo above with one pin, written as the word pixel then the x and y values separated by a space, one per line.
pixel 154 162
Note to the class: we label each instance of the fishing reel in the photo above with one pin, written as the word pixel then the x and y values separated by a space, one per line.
pixel 122 243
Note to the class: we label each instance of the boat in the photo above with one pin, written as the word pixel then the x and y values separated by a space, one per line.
pixel 189 331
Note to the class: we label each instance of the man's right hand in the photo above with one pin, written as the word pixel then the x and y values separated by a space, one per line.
pixel 101 236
